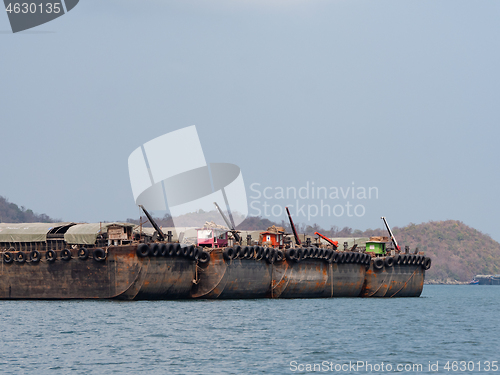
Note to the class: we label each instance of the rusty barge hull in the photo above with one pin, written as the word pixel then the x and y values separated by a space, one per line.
pixel 257 278
pixel 398 280
pixel 121 275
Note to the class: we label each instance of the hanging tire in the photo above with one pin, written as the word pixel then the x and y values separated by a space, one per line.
pixel 185 251
pixel 142 251
pixel 279 255
pixel 397 259
pixel 204 257
pixel 252 252
pixel 258 252
pixel 378 263
pixel 228 253
pixel 7 257
pixel 190 252
pixel 177 250
pixel 368 259
pixel 389 262
pixel 154 250
pixel 35 256
pixel 20 257
pixel 404 259
pixel 66 254
pixel 99 255
pixel 170 250
pixel 83 253
pixel 427 263
pixel 271 255
pixel 51 256
pixel 328 256
pixel 237 251
pixel 335 256
pixel 164 250
pixel 298 254
pixel 290 254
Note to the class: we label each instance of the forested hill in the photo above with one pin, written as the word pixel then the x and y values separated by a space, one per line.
pixel 11 213
pixel 458 251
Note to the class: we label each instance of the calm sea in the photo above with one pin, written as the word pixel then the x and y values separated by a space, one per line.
pixel 447 323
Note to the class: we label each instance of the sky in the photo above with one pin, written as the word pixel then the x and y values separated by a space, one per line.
pixel 397 96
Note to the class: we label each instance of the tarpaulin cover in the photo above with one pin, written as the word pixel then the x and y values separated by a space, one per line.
pixel 27 232
pixel 86 234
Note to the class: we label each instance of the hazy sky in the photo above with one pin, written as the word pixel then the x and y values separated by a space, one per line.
pixel 399 96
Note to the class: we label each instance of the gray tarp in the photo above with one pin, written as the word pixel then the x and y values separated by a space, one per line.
pixel 86 234
pixel 27 232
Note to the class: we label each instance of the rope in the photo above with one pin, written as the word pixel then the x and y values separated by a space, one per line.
pixel 406 282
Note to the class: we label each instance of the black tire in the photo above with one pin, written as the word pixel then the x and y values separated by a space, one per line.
pixel 171 250
pixel 315 252
pixel 378 263
pixel 389 262
pixel 258 252
pixel 305 253
pixel 191 252
pixel 35 256
pixel 66 254
pixel 279 255
pixel 397 259
pixel 290 254
pixel 321 254
pixel 7 257
pixel 20 257
pixel 252 252
pixel 413 259
pixel 51 256
pixel 271 257
pixel 204 257
pixel 99 255
pixel 164 250
pixel 358 257
pixel 244 253
pixel 142 251
pixel 299 255
pixel 185 251
pixel 328 256
pixel 265 253
pixel 237 252
pixel 368 259
pixel 228 253
pixel 177 250
pixel 427 263
pixel 404 259
pixel 348 257
pixel 83 253
pixel 335 256
pixel 341 258
pixel 197 252
pixel 420 260
pixel 154 250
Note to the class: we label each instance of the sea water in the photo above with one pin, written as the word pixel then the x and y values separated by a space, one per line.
pixel 449 329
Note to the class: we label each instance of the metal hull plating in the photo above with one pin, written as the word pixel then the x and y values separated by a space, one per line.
pixel 235 278
pixel 250 278
pixel 396 281
pixel 122 275
pixel 317 279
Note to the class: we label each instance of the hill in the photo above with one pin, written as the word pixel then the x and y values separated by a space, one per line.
pixel 12 213
pixel 458 251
